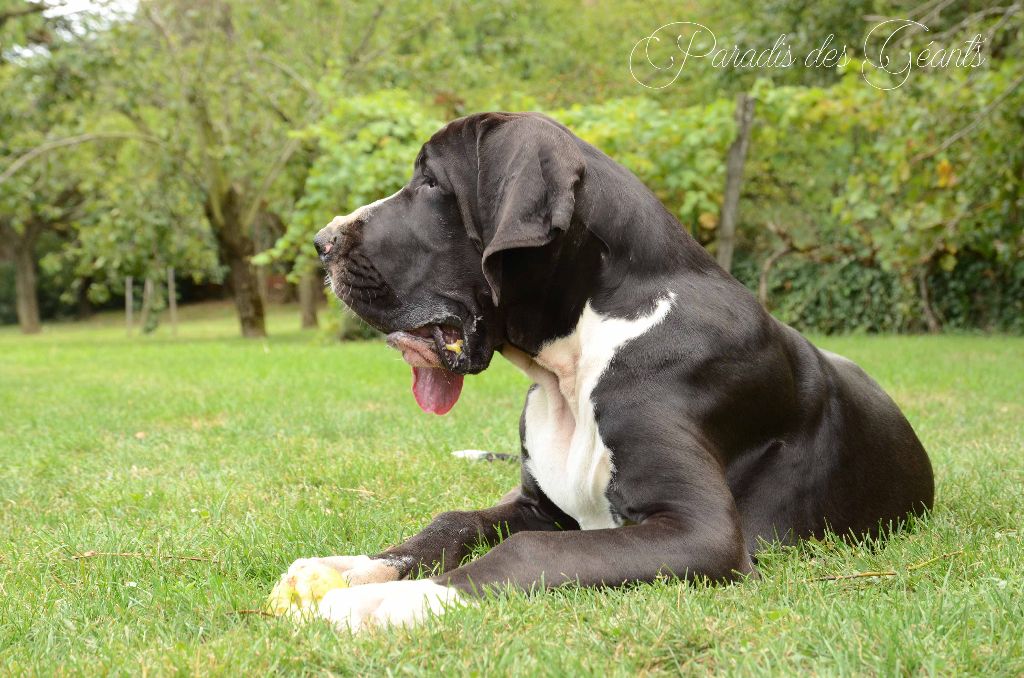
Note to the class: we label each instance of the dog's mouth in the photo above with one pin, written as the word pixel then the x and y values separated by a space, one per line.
pixel 435 352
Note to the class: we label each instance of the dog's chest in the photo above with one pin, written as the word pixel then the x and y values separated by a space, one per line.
pixel 567 456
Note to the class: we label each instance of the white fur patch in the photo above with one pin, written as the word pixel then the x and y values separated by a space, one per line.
pixel 475 455
pixel 398 603
pixel 568 459
pixel 340 222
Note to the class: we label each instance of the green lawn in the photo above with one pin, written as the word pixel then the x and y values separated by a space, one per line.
pixel 249 454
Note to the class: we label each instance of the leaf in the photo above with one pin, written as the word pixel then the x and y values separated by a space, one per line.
pixel 708 221
pixel 946 176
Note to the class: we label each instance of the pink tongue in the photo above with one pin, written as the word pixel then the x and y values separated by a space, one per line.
pixel 436 389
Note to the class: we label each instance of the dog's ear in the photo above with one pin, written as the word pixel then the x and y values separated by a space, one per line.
pixel 528 170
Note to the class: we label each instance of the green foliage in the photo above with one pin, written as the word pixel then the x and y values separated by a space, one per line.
pixel 367 145
pixel 843 296
pixel 260 103
pixel 980 293
pixel 864 188
pixel 139 225
pixel 677 152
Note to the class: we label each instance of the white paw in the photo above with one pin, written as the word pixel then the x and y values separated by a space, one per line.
pixel 355 570
pixel 398 603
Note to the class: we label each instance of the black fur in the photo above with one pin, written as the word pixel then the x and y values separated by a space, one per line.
pixel 726 427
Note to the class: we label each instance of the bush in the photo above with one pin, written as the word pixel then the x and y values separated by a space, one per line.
pixel 834 170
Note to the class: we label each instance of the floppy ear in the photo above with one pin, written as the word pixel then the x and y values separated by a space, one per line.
pixel 529 168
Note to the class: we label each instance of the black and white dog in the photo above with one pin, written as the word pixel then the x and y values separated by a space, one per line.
pixel 673 424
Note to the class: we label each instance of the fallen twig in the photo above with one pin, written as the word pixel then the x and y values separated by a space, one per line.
pixel 99 554
pixel 260 613
pixel 887 573
pixel 856 575
pixel 942 556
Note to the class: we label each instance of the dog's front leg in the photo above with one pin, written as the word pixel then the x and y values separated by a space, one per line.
pixel 452 535
pixel 378 595
pixel 663 545
pixel 686 526
pixel 443 544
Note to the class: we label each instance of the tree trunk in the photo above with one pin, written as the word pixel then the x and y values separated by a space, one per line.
pixel 26 284
pixel 83 307
pixel 148 318
pixel 309 290
pixel 236 249
pixel 934 326
pixel 172 300
pixel 263 283
pixel 733 179
pixel 129 304
pixel 245 290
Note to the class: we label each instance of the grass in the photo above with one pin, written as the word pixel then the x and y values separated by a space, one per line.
pixel 252 453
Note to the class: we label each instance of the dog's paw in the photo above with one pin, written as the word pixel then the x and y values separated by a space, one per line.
pixel 356 570
pixel 397 603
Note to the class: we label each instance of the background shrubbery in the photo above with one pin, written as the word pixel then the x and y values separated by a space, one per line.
pixel 246 128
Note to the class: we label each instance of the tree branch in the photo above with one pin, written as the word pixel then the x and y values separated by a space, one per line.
pixel 789 246
pixel 399 39
pixel 1003 12
pixel 148 556
pixel 29 8
pixel 291 73
pixel 766 268
pixel 217 183
pixel 186 166
pixel 353 57
pixel 287 151
pixel 45 148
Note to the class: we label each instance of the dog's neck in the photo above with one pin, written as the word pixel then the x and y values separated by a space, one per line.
pixel 621 253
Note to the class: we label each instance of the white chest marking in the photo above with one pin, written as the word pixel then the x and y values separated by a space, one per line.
pixel 567 457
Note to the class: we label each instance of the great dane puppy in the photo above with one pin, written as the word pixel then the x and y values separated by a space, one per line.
pixel 672 426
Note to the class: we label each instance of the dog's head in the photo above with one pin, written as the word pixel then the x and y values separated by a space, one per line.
pixel 425 265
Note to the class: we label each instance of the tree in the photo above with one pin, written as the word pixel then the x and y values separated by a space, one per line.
pixel 19 238
pixel 43 88
pixel 223 85
pixel 137 225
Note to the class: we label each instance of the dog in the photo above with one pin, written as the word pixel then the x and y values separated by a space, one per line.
pixel 673 426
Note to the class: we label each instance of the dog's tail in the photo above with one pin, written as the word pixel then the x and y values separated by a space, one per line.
pixel 483 455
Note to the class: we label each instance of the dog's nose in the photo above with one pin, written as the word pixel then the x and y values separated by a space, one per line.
pixel 325 240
